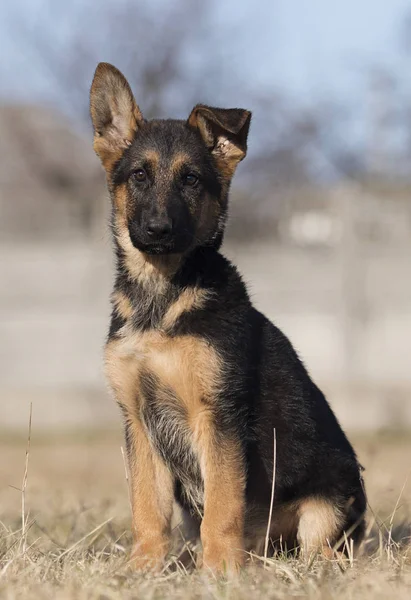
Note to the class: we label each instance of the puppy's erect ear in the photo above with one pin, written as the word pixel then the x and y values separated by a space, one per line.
pixel 224 131
pixel 114 112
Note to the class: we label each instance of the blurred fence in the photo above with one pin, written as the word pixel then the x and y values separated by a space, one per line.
pixel 337 282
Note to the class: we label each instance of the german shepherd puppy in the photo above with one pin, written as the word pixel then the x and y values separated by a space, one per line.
pixel 202 378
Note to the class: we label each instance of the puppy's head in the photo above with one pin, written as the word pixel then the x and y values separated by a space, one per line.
pixel 168 179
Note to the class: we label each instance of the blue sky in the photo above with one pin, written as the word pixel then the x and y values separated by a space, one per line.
pixel 317 46
pixel 309 48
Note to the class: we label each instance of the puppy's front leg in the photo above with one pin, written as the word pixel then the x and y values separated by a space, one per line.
pixel 151 484
pixel 151 499
pixel 223 470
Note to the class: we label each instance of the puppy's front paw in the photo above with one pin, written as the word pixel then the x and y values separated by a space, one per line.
pixel 149 555
pixel 224 557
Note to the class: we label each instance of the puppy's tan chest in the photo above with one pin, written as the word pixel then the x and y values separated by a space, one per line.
pixel 187 365
pixel 168 383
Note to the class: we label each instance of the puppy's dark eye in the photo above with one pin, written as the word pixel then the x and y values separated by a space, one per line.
pixel 139 175
pixel 191 180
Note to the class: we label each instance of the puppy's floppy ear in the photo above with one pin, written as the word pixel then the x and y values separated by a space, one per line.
pixel 114 113
pixel 224 131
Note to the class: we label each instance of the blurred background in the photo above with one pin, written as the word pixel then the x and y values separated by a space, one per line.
pixel 320 209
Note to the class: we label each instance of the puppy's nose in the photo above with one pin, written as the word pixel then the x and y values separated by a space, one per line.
pixel 159 227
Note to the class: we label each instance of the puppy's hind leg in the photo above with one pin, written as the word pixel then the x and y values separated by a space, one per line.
pixel 320 525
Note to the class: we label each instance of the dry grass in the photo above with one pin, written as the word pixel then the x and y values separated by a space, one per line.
pixel 74 538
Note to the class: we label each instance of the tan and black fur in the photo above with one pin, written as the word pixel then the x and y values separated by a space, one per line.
pixel 202 378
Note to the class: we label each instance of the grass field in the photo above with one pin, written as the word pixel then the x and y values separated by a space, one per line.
pixel 76 537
